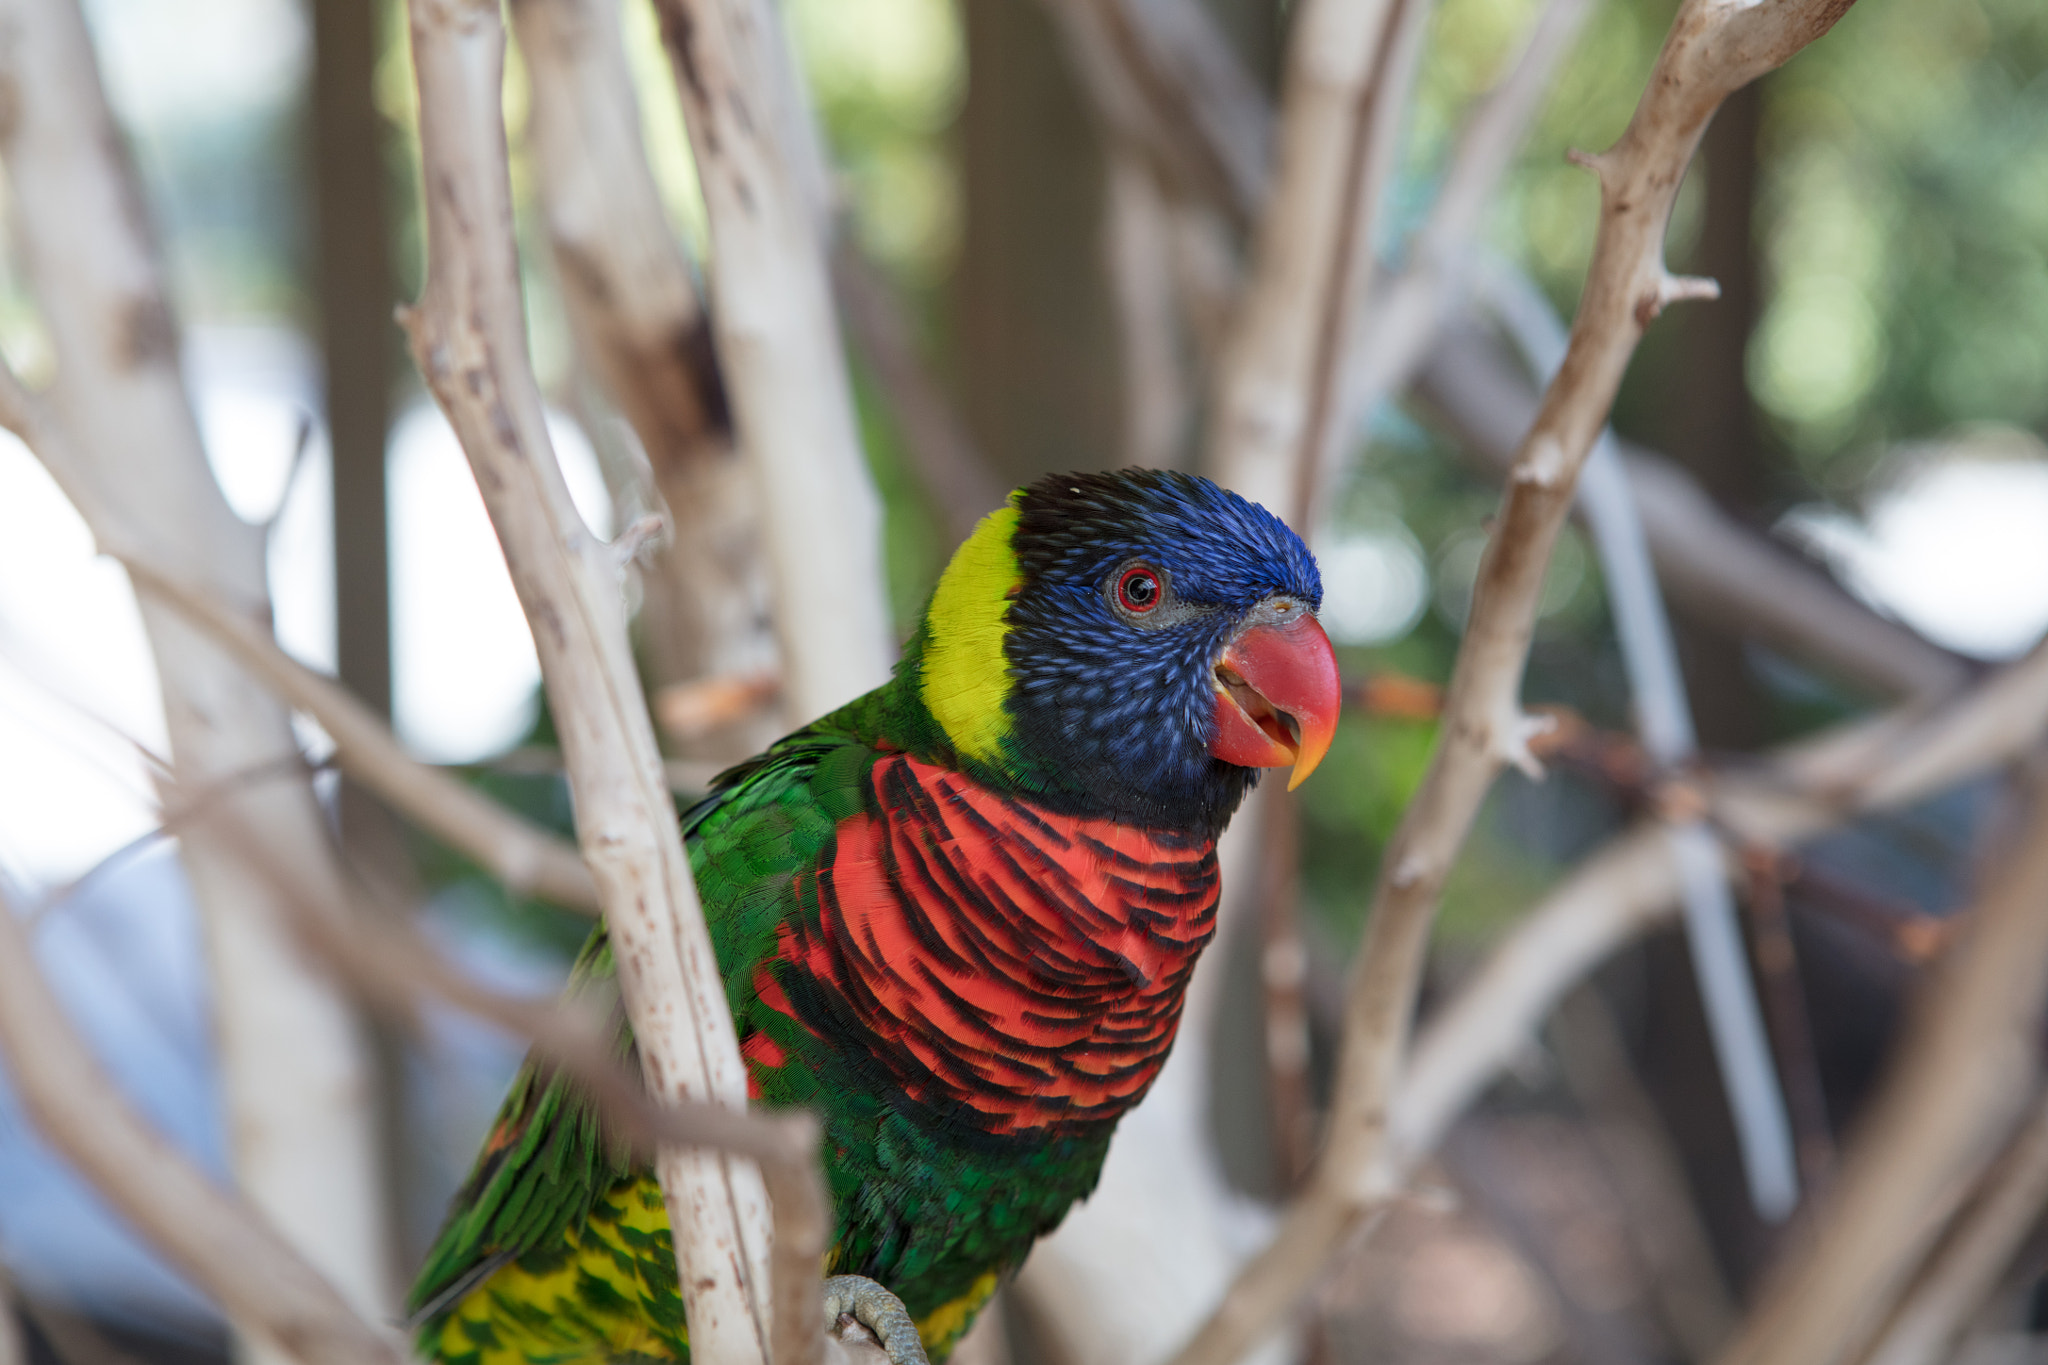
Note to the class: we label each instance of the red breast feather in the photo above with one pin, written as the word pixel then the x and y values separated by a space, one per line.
pixel 1020 968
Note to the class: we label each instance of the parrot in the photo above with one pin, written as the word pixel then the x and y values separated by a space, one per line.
pixel 955 918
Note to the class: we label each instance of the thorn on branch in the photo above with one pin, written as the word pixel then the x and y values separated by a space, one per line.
pixel 1674 289
pixel 1595 162
pixel 1544 466
pixel 1513 732
pixel 643 537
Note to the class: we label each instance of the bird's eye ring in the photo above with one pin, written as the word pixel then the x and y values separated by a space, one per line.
pixel 1137 590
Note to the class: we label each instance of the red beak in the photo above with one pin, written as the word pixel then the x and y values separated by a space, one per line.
pixel 1277 696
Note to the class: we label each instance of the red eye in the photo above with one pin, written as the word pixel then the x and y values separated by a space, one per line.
pixel 1137 591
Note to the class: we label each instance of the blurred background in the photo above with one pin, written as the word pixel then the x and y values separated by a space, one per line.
pixel 1871 391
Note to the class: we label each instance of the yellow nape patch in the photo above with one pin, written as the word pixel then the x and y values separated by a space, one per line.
pixel 942 1328
pixel 965 678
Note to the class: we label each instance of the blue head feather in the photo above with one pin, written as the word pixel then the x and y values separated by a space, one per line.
pixel 1114 715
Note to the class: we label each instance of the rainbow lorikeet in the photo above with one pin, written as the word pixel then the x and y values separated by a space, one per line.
pixel 956 918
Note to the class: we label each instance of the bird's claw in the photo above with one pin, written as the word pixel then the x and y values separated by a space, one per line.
pixel 876 1309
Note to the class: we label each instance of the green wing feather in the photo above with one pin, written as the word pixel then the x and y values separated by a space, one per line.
pixel 579 1231
pixel 547 1163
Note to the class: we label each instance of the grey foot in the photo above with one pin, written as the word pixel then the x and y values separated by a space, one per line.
pixel 876 1309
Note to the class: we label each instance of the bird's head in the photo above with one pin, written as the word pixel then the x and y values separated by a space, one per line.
pixel 1135 644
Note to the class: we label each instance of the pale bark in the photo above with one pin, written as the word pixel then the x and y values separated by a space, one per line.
pixel 264 1285
pixel 1391 332
pixel 468 335
pixel 1959 1083
pixel 1710 566
pixel 1664 720
pixel 393 968
pixel 636 317
pixel 1164 84
pixel 1975 1252
pixel 1715 46
pixel 527 858
pixel 1312 249
pixel 294 1065
pixel 1632 885
pixel 778 340
pixel 1137 255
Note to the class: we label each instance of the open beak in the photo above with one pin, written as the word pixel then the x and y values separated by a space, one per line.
pixel 1277 696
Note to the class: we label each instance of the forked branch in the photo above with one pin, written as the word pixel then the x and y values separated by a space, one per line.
pixel 230 1251
pixel 468 336
pixel 1715 47
pixel 778 340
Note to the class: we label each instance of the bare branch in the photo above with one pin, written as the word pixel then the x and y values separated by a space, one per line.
pixel 1711 566
pixel 1960 1081
pixel 1313 250
pixel 632 304
pixel 1632 885
pixel 1137 257
pixel 1975 1251
pixel 1392 332
pixel 295 1066
pixel 519 853
pixel 468 337
pixel 1632 882
pixel 392 967
pixel 525 857
pixel 779 342
pixel 1663 714
pixel 1714 47
pixel 1164 83
pixel 262 1284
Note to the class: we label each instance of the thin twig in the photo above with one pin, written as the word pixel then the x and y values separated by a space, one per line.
pixel 1631 884
pixel 1975 1251
pixel 1401 317
pixel 259 1281
pixel 1333 409
pixel 759 166
pixel 295 1068
pixel 468 337
pixel 1663 715
pixel 525 857
pixel 632 304
pixel 1783 996
pixel 1961 1079
pixel 1312 250
pixel 1164 84
pixel 392 967
pixel 1712 567
pixel 1714 47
